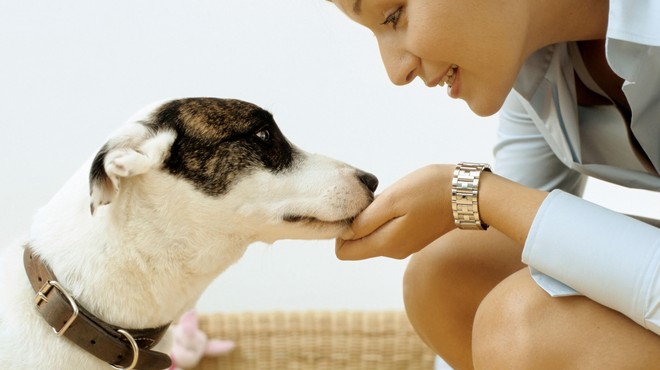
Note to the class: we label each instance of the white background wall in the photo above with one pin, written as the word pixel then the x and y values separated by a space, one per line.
pixel 72 71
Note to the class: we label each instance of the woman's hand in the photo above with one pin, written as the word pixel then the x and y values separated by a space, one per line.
pixel 405 218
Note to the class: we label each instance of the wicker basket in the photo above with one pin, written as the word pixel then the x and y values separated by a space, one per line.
pixel 333 340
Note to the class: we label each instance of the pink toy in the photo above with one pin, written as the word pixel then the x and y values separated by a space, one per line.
pixel 191 344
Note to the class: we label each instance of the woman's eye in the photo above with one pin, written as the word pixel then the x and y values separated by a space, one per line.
pixel 264 135
pixel 393 18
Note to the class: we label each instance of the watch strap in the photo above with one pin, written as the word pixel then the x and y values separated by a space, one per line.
pixel 465 195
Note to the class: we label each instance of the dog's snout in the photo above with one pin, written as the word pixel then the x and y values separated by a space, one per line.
pixel 368 179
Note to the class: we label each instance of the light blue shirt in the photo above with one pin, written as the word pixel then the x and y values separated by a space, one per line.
pixel 548 142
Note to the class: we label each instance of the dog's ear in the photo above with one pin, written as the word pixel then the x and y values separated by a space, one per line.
pixel 134 152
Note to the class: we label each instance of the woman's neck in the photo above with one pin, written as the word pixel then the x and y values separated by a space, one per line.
pixel 554 21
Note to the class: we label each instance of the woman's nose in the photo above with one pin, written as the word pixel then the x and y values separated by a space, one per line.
pixel 400 65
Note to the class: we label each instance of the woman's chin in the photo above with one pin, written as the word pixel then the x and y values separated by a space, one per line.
pixel 485 106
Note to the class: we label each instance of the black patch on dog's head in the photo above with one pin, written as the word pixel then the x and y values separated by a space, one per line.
pixel 220 140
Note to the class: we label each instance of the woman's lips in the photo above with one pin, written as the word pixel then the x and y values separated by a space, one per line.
pixel 454 87
pixel 448 78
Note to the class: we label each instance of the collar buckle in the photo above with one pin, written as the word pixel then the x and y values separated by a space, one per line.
pixel 42 296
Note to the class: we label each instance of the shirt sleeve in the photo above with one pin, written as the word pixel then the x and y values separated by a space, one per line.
pixel 611 258
pixel 523 155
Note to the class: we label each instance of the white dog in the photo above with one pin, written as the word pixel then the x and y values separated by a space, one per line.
pixel 135 236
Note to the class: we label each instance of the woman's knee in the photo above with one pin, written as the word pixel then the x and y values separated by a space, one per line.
pixel 505 332
pixel 458 261
pixel 519 326
pixel 432 271
pixel 432 297
pixel 445 283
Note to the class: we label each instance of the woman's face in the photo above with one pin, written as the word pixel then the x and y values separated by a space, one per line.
pixel 475 46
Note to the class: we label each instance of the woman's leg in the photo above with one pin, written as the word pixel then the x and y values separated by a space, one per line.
pixel 445 283
pixel 519 326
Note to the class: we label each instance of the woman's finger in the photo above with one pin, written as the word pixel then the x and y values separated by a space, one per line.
pixel 379 212
pixel 382 242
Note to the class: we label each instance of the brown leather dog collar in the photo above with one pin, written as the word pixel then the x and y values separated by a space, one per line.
pixel 121 348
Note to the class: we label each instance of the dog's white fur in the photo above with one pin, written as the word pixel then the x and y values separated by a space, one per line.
pixel 145 258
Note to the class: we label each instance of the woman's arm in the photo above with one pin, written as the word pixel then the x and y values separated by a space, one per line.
pixel 609 257
pixel 508 206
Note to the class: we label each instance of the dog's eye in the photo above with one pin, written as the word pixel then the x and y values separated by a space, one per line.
pixel 263 135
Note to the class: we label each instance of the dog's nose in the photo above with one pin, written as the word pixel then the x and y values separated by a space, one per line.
pixel 368 179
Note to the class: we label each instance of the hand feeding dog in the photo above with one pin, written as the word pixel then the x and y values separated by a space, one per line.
pixel 177 195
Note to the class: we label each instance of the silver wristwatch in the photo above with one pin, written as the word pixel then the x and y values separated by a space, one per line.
pixel 465 195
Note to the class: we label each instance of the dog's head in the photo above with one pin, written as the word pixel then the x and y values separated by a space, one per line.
pixel 210 162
